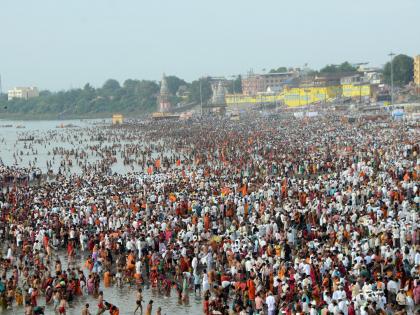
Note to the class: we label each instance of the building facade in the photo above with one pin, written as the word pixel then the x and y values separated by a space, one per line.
pixel 258 83
pixel 308 95
pixel 22 93
pixel 417 70
pixel 252 84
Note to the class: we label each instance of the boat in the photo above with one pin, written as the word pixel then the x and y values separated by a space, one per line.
pixel 6 126
pixel 20 126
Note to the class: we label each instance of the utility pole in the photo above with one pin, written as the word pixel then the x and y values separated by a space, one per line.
pixel 233 89
pixel 307 91
pixel 391 54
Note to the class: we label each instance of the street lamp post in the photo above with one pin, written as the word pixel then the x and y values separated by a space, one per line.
pixel 391 54
pixel 325 96
pixel 307 96
pixel 299 95
pixel 359 84
pixel 233 89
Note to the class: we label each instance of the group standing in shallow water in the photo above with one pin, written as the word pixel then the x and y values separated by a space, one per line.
pixel 262 216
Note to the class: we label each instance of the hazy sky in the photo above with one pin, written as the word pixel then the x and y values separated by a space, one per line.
pixel 58 44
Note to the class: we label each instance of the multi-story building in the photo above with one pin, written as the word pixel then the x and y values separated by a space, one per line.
pixel 252 84
pixel 257 83
pixel 22 93
pixel 373 75
pixel 417 70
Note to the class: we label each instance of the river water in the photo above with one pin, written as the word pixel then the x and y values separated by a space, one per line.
pixel 124 297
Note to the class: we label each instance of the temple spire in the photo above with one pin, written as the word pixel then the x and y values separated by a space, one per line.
pixel 163 99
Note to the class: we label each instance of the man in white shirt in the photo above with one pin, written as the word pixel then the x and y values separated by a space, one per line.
pixel 342 306
pixel 138 267
pixel 271 303
pixel 313 310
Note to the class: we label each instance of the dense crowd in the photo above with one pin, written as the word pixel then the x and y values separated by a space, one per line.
pixel 261 216
pixel 20 175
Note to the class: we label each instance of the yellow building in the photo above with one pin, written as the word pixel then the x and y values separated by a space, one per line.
pixel 237 99
pixel 417 70
pixel 302 96
pixel 356 90
pixel 117 119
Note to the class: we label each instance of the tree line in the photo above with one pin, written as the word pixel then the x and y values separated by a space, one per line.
pixel 132 97
pixel 140 96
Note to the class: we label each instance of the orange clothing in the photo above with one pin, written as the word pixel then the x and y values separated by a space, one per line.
pixel 107 279
pixel 206 222
pixel 251 289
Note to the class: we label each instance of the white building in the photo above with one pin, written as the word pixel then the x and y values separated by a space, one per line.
pixel 373 75
pixel 22 93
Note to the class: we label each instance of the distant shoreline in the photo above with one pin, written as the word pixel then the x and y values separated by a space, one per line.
pixel 39 117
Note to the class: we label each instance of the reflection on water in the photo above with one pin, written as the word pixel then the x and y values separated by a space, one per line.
pixel 124 298
pixel 47 137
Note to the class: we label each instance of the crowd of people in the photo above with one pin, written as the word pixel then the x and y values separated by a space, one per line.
pixel 10 175
pixel 260 216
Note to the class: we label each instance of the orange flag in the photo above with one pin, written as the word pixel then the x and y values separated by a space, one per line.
pixel 178 162
pixel 150 170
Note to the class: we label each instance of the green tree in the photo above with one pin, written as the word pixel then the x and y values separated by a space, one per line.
pixel 206 91
pixel 130 85
pixel 278 70
pixel 402 68
pixel 146 93
pixel 345 67
pixel 235 85
pixel 174 83
pixel 111 87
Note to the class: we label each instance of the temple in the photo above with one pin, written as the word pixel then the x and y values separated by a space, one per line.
pixel 218 98
pixel 164 104
pixel 218 102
